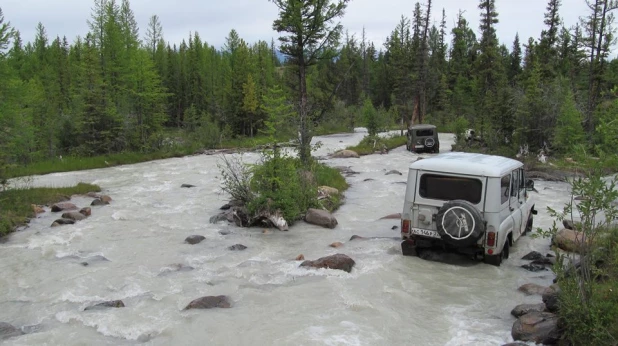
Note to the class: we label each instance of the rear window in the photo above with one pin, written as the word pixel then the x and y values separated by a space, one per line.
pixel 424 132
pixel 447 188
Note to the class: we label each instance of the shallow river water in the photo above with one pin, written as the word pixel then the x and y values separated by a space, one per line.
pixel 387 299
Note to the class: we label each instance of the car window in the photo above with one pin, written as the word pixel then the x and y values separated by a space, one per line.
pixel 515 180
pixel 505 184
pixel 522 179
pixel 449 188
pixel 424 132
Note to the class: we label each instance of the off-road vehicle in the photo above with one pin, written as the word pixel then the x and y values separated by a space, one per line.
pixel 423 138
pixel 468 203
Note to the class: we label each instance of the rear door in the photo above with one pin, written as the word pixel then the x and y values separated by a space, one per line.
pixel 515 203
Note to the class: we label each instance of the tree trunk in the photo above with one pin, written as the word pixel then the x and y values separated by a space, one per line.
pixel 305 139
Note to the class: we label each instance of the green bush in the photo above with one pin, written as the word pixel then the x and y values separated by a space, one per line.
pixel 371 144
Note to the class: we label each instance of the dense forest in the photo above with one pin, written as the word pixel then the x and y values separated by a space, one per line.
pixel 118 88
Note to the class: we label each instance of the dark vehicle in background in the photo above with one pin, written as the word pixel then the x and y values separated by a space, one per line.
pixel 423 138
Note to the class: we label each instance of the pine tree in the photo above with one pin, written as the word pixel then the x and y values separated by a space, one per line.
pixel 250 103
pixel 154 34
pixel 569 131
pixel 515 62
pixel 549 37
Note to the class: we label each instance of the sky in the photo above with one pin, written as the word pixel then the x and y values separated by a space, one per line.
pixel 252 19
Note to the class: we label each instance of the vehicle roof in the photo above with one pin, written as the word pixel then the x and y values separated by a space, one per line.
pixel 468 163
pixel 422 126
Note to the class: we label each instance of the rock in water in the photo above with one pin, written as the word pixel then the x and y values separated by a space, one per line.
pixel 209 302
pixel 338 261
pixel 538 327
pixel 320 218
pixel 394 171
pixel 532 289
pixel 7 330
pixel 194 239
pixel 300 257
pixel 523 309
pixel 60 222
pixel 278 221
pixel 105 198
pixel 104 305
pixel 86 211
pixel 531 256
pixel 551 298
pixel 62 206
pixel 237 247
pixel 74 215
pixel 98 201
pixel 569 240
pixel 357 237
pixel 346 154
pixel 336 244
pixel 187 186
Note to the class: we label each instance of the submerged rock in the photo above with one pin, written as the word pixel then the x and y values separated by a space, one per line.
pixel 532 289
pixel 358 237
pixel 394 171
pixel 187 186
pixel 209 302
pixel 62 206
pixel 237 247
pixel 7 331
pixel 60 222
pixel 300 257
pixel 320 217
pixel 338 261
pixel 98 201
pixel 74 215
pixel 523 309
pixel 538 327
pixel 176 267
pixel 105 305
pixel 531 256
pixel 336 244
pixel 345 154
pixel 194 239
pixel 534 267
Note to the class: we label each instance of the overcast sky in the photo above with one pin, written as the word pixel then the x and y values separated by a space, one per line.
pixel 214 19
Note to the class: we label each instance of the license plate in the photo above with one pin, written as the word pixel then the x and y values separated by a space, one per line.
pixel 425 233
pixel 419 146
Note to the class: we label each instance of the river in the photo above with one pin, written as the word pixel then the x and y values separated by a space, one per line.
pixel 132 246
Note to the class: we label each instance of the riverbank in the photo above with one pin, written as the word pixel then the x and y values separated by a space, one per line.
pixel 18 206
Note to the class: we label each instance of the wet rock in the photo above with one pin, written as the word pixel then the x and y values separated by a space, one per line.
pixel 544 261
pixel 357 237
pixel 86 211
pixel 336 244
pixel 92 194
pixel 572 225
pixel 237 247
pixel 395 216
pixel 523 309
pixel 320 218
pixel 300 257
pixel 394 171
pixel 176 267
pixel 187 186
pixel 534 255
pixel 327 191
pixel 369 179
pixel 223 232
pixel 98 201
pixel 345 154
pixel 7 331
pixel 568 240
pixel 346 170
pixel 551 298
pixel 105 305
pixel 209 302
pixel 62 206
pixel 220 217
pixel 60 222
pixel 531 289
pixel 194 239
pixel 534 267
pixel 538 327
pixel 105 198
pixel 74 215
pixel 37 209
pixel 338 261
pixel 230 204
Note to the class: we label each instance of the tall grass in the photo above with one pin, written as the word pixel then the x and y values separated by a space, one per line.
pixel 16 204
pixel 370 145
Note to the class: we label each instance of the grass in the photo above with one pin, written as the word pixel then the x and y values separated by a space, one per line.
pixel 370 145
pixel 16 204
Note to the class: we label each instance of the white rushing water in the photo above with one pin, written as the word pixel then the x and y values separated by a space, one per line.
pixel 387 299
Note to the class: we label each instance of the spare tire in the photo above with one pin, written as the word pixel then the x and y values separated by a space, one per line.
pixel 459 223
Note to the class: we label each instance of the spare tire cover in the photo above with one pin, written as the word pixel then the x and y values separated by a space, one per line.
pixel 460 223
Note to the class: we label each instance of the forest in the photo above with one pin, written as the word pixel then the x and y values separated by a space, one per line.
pixel 121 89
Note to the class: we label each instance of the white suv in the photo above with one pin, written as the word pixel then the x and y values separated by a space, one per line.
pixel 469 203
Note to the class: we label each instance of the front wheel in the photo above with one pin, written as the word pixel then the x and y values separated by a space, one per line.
pixel 496 260
pixel 529 225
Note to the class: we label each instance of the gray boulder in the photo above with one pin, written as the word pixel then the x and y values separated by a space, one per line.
pixel 532 289
pixel 62 206
pixel 98 201
pixel 534 255
pixel 187 186
pixel 194 239
pixel 209 302
pixel 237 247
pixel 320 217
pixel 551 298
pixel 523 309
pixel 538 327
pixel 7 331
pixel 338 261
pixel 74 215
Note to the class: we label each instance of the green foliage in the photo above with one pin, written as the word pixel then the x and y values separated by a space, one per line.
pixel 372 144
pixel 459 128
pixel 371 118
pixel 569 131
pixel 608 128
pixel 16 204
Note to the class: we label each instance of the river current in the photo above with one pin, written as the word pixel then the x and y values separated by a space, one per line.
pixel 135 246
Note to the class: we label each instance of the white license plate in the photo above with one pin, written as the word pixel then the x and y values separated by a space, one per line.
pixel 425 233
pixel 419 146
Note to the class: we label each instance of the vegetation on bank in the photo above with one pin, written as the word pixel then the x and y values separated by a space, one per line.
pixel 372 144
pixel 16 203
pixel 588 298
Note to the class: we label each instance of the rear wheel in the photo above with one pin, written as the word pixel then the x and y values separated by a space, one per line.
pixel 529 225
pixel 496 260
pixel 408 248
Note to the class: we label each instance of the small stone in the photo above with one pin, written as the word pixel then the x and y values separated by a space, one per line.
pixel 336 244
pixel 265 231
pixel 209 302
pixel 300 257
pixel 194 239
pixel 62 222
pixel 105 198
pixel 523 309
pixel 394 171
pixel 62 206
pixel 224 232
pixel 534 267
pixel 237 247
pixel 86 211
pixel 532 289
pixel 187 186
pixel 357 237
pixel 534 255
pixel 98 201
pixel 109 304
pixel 74 215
